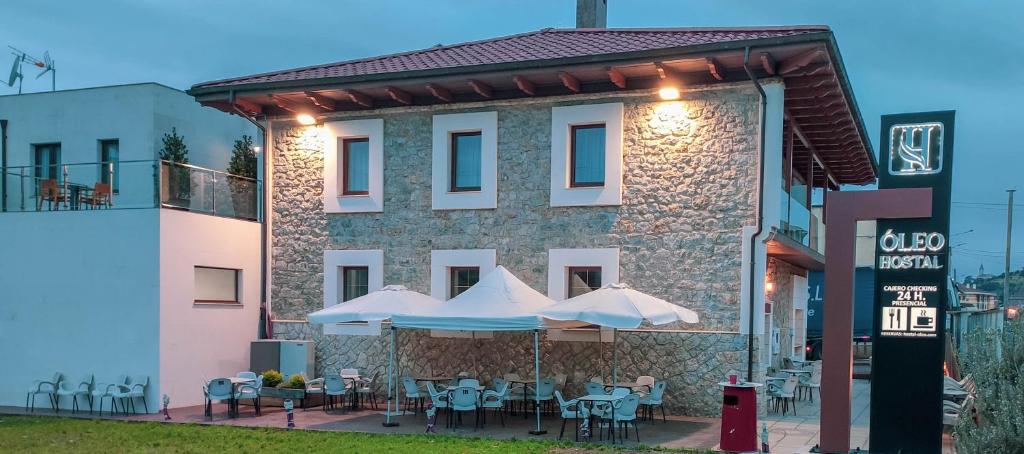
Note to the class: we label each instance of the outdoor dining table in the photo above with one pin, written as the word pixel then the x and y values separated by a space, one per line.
pixel 598 398
pixel 627 385
pixel 355 379
pixel 795 371
pixel 434 379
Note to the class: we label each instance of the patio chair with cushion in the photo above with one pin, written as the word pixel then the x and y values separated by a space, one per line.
pixel 82 387
pixel 463 398
pixel 953 412
pixel 48 387
pixel 367 388
pixel 104 390
pixel 127 393
pixel 625 414
pixel 495 400
pixel 570 409
pixel 219 389
pixel 413 395
pixel 335 387
pixel 250 391
pixel 438 399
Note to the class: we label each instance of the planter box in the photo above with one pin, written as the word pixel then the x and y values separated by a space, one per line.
pixel 275 397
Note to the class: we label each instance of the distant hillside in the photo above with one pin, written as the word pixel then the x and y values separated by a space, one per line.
pixel 994 284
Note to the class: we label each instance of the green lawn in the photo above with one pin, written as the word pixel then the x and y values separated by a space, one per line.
pixel 52 434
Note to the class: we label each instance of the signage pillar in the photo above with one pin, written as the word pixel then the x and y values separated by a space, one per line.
pixel 911 279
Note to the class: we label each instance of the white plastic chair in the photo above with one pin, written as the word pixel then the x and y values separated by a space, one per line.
pixel 604 409
pixel 464 398
pixel 654 398
pixel 83 387
pixel 495 400
pixel 438 399
pixel 48 387
pixel 413 395
pixel 812 382
pixel 366 388
pixel 247 374
pixel 644 384
pixel 570 409
pixel 219 389
pixel 127 393
pixel 250 391
pixel 625 414
pixel 785 394
pixel 104 390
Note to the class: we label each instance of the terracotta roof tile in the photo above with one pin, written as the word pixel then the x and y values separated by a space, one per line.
pixel 533 46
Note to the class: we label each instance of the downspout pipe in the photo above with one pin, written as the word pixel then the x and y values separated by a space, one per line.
pixel 760 217
pixel 263 203
pixel 3 164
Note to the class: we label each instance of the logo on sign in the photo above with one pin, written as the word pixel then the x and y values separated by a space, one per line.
pixel 915 149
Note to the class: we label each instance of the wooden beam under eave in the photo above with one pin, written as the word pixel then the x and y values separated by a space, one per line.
pixel 810 147
pixel 570 82
pixel 481 88
pixel 357 97
pixel 320 101
pixel 799 61
pixel 440 92
pixel 663 72
pixel 286 105
pixel 398 95
pixel 768 63
pixel 715 68
pixel 525 85
pixel 617 78
pixel 250 108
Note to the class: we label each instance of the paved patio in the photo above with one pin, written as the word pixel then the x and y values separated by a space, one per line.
pixel 790 433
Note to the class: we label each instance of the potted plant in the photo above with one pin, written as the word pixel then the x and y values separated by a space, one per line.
pixel 177 189
pixel 242 178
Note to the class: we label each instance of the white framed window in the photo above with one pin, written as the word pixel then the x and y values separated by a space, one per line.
pixel 586 155
pixel 354 166
pixel 349 274
pixel 213 285
pixel 573 272
pixel 464 170
pixel 452 271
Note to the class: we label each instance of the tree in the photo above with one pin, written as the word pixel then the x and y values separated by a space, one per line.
pixel 243 158
pixel 996 361
pixel 174 148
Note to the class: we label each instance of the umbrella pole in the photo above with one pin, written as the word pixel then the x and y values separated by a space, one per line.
pixel 536 383
pixel 615 358
pixel 391 369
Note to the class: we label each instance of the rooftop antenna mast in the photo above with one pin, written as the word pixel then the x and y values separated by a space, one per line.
pixel 46 64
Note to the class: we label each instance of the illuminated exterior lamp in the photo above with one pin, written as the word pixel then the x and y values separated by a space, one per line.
pixel 668 93
pixel 769 287
pixel 305 119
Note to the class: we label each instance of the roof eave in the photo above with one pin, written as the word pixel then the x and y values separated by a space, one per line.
pixel 851 100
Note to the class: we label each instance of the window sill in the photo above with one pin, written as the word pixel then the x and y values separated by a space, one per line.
pixel 217 303
pixel 352 196
pixel 464 191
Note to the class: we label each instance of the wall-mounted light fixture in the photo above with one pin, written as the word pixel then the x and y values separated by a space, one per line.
pixel 305 119
pixel 769 287
pixel 668 93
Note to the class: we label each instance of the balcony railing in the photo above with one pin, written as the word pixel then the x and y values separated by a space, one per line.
pixel 129 185
pixel 801 224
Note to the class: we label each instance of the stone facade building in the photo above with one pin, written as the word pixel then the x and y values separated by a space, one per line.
pixel 695 197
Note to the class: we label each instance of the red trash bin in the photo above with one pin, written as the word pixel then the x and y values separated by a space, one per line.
pixel 739 417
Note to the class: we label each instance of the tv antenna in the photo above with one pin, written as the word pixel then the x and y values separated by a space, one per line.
pixel 20 57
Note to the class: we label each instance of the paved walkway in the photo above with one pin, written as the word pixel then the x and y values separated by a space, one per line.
pixel 790 433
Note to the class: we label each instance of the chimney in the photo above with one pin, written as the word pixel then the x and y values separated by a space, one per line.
pixel 591 13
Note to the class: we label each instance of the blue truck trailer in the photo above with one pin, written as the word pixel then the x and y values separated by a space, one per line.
pixel 864 293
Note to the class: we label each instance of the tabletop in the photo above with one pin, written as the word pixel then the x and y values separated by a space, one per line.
pixel 433 379
pixel 624 385
pixel 238 380
pixel 525 381
pixel 795 371
pixel 740 384
pixel 599 398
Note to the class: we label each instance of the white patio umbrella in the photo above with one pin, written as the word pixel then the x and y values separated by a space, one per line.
pixel 383 304
pixel 617 306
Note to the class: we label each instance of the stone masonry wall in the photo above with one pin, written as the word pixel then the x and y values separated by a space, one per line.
pixel 690 171
pixel 781 274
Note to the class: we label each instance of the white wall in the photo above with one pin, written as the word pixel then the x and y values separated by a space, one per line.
pixel 204 341
pixel 137 115
pixel 78 294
